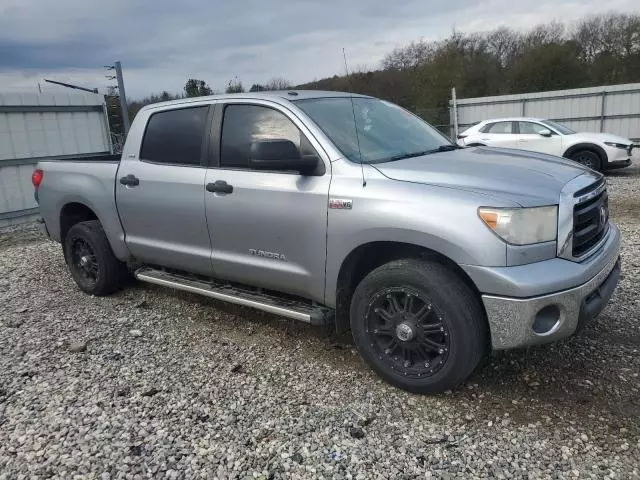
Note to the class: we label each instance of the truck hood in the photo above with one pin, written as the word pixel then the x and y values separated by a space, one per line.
pixel 515 176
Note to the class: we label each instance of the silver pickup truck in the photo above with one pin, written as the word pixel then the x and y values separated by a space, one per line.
pixel 348 211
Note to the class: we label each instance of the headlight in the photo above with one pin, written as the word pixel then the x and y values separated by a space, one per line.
pixel 617 145
pixel 522 226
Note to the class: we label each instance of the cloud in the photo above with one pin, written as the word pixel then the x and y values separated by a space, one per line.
pixel 162 43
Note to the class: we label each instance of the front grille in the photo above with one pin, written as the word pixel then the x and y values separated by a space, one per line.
pixel 590 221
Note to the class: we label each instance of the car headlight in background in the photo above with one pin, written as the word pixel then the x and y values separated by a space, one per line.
pixel 623 146
pixel 522 226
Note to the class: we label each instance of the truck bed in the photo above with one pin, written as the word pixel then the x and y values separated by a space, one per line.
pixel 88 181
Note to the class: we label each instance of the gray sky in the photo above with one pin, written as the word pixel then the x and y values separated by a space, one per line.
pixel 161 43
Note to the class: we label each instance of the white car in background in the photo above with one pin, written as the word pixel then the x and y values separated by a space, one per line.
pixel 599 151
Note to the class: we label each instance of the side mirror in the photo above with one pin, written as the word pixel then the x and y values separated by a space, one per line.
pixel 545 132
pixel 280 155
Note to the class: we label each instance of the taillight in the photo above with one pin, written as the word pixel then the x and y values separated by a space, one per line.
pixel 36 177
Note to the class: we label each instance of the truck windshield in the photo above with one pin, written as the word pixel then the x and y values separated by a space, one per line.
pixel 369 130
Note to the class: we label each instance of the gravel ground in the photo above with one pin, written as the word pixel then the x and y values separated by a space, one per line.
pixel 152 383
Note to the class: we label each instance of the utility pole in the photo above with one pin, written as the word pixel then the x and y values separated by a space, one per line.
pixel 344 56
pixel 123 98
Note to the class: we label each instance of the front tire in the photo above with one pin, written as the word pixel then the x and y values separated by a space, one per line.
pixel 418 325
pixel 91 261
pixel 588 159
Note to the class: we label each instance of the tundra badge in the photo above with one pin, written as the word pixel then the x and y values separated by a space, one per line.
pixel 263 253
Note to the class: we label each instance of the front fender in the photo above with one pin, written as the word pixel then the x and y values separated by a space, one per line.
pixel 441 219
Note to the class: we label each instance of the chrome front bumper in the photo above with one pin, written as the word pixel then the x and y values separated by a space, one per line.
pixel 516 322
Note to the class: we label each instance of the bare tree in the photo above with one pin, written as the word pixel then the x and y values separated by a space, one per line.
pixel 411 56
pixel 588 35
pixel 277 83
pixel 504 44
pixel 544 34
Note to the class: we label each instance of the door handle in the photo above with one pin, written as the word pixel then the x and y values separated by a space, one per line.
pixel 130 181
pixel 219 186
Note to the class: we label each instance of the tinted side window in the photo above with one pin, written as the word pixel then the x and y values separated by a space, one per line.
pixel 531 128
pixel 244 124
pixel 175 136
pixel 498 127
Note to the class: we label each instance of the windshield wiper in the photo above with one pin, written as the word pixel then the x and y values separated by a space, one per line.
pixel 448 148
pixel 441 148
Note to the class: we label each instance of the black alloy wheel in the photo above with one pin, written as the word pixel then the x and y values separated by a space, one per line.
pixel 407 332
pixel 419 325
pixel 84 262
pixel 93 266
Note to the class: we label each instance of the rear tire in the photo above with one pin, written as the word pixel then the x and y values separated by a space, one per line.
pixel 91 261
pixel 588 159
pixel 418 325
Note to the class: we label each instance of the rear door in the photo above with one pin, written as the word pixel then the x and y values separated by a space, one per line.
pixel 499 134
pixel 160 191
pixel 269 229
pixel 529 138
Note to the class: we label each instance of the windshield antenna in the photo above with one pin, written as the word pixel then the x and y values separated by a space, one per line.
pixel 353 110
pixel 355 124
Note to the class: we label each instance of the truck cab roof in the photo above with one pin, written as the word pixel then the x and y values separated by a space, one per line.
pixel 277 95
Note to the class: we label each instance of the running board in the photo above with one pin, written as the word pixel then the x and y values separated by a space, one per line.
pixel 297 310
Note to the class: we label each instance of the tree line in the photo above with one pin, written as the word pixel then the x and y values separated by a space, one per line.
pixel 597 50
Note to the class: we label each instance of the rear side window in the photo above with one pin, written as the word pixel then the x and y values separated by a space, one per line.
pixel 244 124
pixel 175 136
pixel 498 127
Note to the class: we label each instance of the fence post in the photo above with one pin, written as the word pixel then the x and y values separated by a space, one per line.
pixel 603 106
pixel 524 107
pixel 455 114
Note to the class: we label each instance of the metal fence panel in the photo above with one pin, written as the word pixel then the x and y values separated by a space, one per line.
pixel 44 126
pixel 16 193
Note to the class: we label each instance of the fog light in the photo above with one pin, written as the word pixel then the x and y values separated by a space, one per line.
pixel 547 319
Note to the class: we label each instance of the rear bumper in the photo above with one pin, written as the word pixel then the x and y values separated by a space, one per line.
pixel 522 322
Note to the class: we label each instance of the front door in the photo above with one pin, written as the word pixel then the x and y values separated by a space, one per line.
pixel 268 228
pixel 529 138
pixel 160 195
